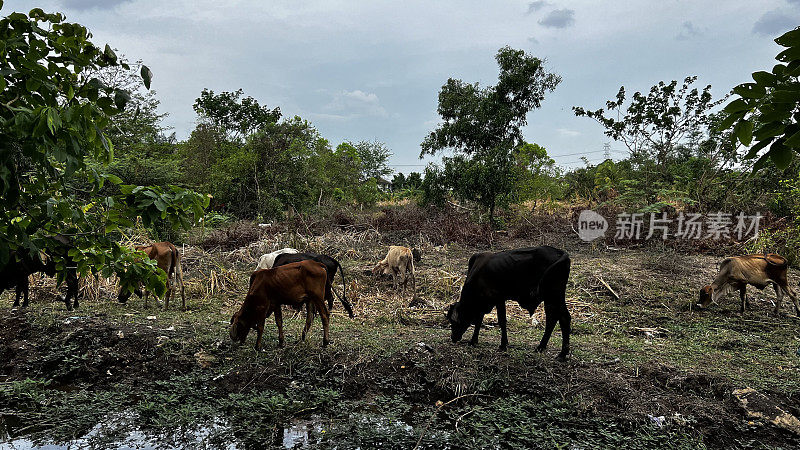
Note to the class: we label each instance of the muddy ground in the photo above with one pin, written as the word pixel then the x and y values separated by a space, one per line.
pixel 646 370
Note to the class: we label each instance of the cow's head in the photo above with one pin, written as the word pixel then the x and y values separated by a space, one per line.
pixel 417 254
pixel 706 296
pixel 380 268
pixel 458 323
pixel 239 327
pixel 125 294
pixel 48 264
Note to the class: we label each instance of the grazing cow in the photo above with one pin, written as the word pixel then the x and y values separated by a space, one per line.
pixel 331 265
pixel 294 284
pixel 528 275
pixel 266 261
pixel 169 260
pixel 736 272
pixel 399 261
pixel 21 265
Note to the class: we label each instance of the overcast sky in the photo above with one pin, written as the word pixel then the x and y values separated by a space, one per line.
pixel 366 70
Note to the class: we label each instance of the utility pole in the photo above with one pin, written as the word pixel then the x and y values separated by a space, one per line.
pixel 607 150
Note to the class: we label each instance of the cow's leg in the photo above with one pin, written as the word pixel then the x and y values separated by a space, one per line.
pixel 474 341
pixel 146 294
pixel 309 321
pixel 743 296
pixel 792 295
pixel 17 293
pixel 324 315
pixel 72 289
pixel 779 299
pixel 501 320
pixel 565 322
pixel 169 291
pixel 394 279
pixel 260 332
pixel 279 323
pixel 784 287
pixel 549 324
pixel 329 293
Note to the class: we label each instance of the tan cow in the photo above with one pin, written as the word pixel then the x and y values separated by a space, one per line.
pixel 169 260
pixel 736 272
pixel 399 261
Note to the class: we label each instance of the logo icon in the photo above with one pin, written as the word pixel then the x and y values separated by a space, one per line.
pixel 591 225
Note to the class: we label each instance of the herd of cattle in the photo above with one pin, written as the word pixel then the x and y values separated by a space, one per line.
pixel 529 276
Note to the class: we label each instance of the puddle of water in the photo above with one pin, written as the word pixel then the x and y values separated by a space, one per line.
pixel 300 433
pixel 130 440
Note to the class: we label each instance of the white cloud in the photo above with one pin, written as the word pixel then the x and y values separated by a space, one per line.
pixel 356 103
pixel 566 132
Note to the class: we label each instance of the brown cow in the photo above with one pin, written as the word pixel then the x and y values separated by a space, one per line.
pixel 295 284
pixel 169 260
pixel 736 272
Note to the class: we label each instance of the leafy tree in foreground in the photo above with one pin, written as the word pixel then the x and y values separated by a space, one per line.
pixel 53 152
pixel 767 111
pixel 483 126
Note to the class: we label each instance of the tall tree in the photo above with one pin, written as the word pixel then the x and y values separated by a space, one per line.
pixel 54 151
pixel 235 116
pixel 657 127
pixel 484 124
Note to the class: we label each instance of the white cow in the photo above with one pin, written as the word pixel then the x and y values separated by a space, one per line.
pixel 266 261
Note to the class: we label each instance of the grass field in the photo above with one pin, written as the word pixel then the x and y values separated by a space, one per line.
pixel 646 371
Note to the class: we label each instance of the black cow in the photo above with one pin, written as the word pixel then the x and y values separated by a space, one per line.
pixel 331 265
pixel 21 265
pixel 528 275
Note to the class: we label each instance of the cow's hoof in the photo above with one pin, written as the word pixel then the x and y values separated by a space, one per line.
pixel 326 343
pixel 503 348
pixel 561 358
pixel 281 344
pixel 539 349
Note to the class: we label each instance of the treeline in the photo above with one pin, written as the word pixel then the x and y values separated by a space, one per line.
pixel 259 165
pixel 255 163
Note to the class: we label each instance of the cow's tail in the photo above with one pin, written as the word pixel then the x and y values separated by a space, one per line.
pixel 347 306
pixel 561 264
pixel 413 278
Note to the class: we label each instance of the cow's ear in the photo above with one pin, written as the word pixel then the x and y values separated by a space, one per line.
pixel 452 314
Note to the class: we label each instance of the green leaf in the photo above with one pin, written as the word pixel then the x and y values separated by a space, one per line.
pixel 113 178
pixel 728 121
pixel 761 162
pixel 789 39
pixel 109 53
pixel 785 96
pixel 737 105
pixel 793 141
pixel 121 98
pixel 769 129
pixel 756 148
pixel 780 154
pixel 2 84
pixel 750 90
pixel 744 131
pixel 147 76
